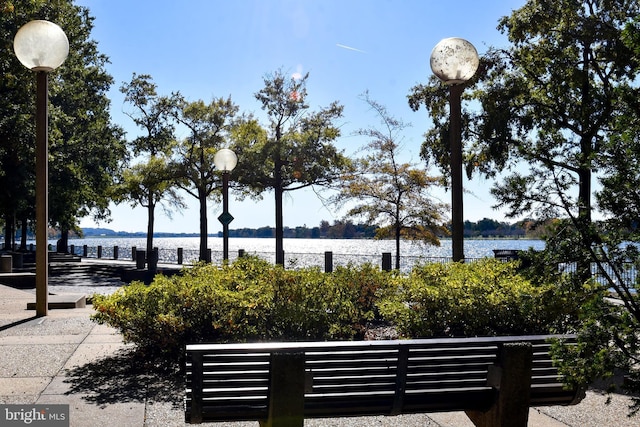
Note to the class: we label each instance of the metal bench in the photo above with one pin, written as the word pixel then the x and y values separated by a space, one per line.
pixel 494 379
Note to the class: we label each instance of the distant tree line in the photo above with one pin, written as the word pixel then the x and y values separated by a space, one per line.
pixel 342 229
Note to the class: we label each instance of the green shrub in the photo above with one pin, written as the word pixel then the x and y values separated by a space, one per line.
pixel 248 300
pixel 252 300
pixel 487 297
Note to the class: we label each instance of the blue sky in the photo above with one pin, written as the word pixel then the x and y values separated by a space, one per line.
pixel 214 48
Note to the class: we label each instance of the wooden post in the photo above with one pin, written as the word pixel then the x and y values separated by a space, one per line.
pixel 133 253
pixel 386 261
pixel 141 258
pixel 115 252
pixel 286 391
pixel 180 255
pixel 511 377
pixel 85 251
pixel 240 253
pixel 328 262
pixel 99 251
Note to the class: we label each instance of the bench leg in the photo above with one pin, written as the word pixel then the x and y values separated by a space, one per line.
pixel 511 408
pixel 286 391
pixel 196 388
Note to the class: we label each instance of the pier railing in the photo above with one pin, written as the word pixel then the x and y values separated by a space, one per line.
pixel 180 256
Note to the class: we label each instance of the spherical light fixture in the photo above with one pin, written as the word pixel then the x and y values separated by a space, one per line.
pixel 454 60
pixel 225 160
pixel 41 45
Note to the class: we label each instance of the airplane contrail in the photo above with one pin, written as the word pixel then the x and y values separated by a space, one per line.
pixel 350 48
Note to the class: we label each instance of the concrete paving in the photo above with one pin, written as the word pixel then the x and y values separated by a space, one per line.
pixel 67 358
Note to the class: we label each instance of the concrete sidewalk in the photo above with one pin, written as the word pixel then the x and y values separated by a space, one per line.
pixel 39 356
pixel 65 358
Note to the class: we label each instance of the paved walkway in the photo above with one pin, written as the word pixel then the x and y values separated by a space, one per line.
pixel 66 358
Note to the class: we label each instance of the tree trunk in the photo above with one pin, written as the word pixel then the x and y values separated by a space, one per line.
pixel 8 231
pixel 204 231
pixel 151 215
pixel 24 231
pixel 63 243
pixel 397 242
pixel 279 216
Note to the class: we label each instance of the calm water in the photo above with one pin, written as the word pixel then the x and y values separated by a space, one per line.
pixel 304 251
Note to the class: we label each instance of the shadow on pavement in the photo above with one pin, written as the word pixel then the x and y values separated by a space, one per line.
pixel 124 377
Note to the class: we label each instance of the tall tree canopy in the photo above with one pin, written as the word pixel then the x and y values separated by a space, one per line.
pixel 555 111
pixel 151 181
pixel 210 126
pixel 295 150
pixel 389 193
pixel 86 149
pixel 547 104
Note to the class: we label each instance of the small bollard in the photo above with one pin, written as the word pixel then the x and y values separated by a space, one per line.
pixel 140 259
pixel 386 261
pixel 115 252
pixel 328 262
pixel 152 262
pixel 6 264
pixel 18 260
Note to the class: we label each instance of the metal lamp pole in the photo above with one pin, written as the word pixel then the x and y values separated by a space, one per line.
pixel 41 46
pixel 225 161
pixel 455 61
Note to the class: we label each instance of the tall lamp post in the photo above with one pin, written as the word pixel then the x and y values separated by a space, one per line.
pixel 42 47
pixel 455 61
pixel 225 160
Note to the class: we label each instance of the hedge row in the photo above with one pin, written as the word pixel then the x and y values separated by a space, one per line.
pixel 252 300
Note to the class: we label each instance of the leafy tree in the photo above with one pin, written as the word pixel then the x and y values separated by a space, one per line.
pixel 393 195
pixel 149 184
pixel 210 126
pixel 152 180
pixel 85 148
pixel 547 104
pixel 557 107
pixel 293 151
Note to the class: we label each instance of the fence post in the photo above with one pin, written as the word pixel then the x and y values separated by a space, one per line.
pixel 386 261
pixel 153 259
pixel 179 255
pixel 115 252
pixel 328 262
pixel 99 251
pixel 208 256
pixel 140 259
pixel 240 253
pixel 85 251
pixel 133 253
pixel 73 249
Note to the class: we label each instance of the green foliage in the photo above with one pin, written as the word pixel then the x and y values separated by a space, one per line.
pixel 249 300
pixel 392 195
pixel 85 148
pixel 252 300
pixel 488 297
